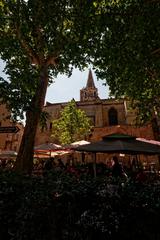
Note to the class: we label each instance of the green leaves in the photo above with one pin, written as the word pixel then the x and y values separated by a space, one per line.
pixel 64 206
pixel 128 56
pixel 59 34
pixel 19 88
pixel 73 124
pixel 38 40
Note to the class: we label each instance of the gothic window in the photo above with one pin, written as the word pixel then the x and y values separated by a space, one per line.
pixel 113 116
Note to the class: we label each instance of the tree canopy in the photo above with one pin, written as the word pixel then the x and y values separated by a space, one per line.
pixel 73 125
pixel 38 40
pixel 33 33
pixel 129 54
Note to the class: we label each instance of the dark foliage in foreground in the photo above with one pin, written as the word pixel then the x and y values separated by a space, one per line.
pixel 61 206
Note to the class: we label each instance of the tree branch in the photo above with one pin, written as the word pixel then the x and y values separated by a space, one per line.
pixel 34 59
pixel 52 60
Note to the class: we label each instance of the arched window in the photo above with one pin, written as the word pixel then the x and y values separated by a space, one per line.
pixel 113 116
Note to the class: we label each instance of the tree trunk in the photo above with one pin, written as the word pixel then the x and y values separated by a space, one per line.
pixel 24 161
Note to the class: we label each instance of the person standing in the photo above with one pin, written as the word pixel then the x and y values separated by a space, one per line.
pixel 117 170
pixel 48 166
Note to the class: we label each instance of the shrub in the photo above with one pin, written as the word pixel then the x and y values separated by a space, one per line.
pixel 62 206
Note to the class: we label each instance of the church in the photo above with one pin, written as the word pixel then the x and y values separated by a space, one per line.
pixel 107 116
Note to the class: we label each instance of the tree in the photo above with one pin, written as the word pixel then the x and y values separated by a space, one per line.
pixel 129 54
pixel 38 40
pixel 73 125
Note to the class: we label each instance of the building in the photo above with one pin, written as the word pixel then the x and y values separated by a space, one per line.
pixel 107 116
pixel 9 141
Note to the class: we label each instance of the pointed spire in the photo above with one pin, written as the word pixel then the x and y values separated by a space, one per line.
pixel 90 81
pixel 90 92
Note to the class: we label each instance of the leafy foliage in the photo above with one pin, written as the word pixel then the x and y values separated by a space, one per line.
pixel 128 56
pixel 19 87
pixel 62 206
pixel 32 33
pixel 39 40
pixel 73 124
pixel 43 119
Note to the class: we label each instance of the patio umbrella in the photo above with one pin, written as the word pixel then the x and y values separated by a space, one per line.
pixel 149 141
pixel 8 154
pixel 41 154
pixel 76 144
pixel 121 143
pixel 47 148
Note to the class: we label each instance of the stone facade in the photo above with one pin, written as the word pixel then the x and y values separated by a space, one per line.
pixel 9 141
pixel 107 116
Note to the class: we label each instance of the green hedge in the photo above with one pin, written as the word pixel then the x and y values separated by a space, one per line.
pixel 61 206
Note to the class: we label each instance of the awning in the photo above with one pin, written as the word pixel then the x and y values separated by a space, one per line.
pixel 121 143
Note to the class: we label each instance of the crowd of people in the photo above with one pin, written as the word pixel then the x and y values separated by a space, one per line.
pixel 116 169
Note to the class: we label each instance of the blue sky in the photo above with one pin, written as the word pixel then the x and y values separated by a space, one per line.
pixel 64 89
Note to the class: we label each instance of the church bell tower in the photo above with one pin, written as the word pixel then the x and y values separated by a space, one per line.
pixel 90 92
